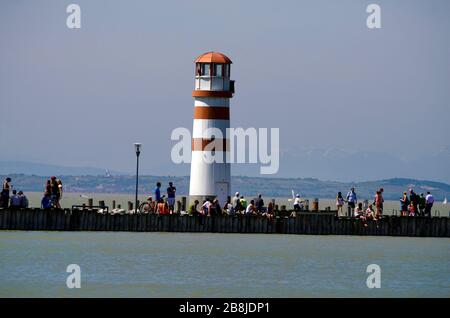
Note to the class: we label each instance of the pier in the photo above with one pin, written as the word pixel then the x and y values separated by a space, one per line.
pixel 315 223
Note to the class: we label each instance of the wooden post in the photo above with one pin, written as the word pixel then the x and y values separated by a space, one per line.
pixel 101 203
pixel 130 205
pixel 316 205
pixel 113 204
pixel 183 204
pixel 90 202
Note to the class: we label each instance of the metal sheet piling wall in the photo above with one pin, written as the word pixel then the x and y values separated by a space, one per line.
pixel 316 223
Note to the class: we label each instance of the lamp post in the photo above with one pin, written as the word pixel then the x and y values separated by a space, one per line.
pixel 137 147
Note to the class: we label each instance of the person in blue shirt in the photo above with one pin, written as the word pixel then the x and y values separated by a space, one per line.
pixel 171 197
pixel 158 192
pixel 46 202
pixel 352 201
pixel 15 200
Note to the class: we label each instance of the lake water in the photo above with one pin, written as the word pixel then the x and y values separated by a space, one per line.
pixel 121 264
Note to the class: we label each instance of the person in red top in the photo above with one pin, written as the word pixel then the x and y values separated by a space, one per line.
pixel 379 203
pixel 412 209
pixel 48 188
pixel 162 207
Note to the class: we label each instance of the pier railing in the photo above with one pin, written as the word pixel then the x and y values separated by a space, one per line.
pixel 318 223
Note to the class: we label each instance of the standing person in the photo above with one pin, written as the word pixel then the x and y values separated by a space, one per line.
pixel 5 193
pixel 382 200
pixel 158 192
pixel 23 200
pixel 413 198
pixel 15 200
pixel 297 203
pixel 54 191
pixel 422 202
pixel 351 201
pixel 404 204
pixel 340 204
pixel 379 203
pixel 48 188
pixel 429 201
pixel 60 192
pixel 259 204
pixel 171 196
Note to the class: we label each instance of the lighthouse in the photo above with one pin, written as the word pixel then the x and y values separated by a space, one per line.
pixel 212 93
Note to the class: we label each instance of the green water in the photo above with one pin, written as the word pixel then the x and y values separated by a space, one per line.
pixel 119 264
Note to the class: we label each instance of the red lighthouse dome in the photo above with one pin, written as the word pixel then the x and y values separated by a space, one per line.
pixel 213 57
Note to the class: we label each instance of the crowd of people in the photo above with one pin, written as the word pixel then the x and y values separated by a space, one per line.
pixel 51 199
pixel 17 200
pixel 53 192
pixel 161 204
pixel 238 205
pixel 416 205
pixel 410 205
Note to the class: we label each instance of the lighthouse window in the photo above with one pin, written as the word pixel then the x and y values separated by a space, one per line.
pixel 206 69
pixel 226 71
pixel 219 70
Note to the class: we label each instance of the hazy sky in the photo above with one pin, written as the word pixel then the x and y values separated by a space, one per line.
pixel 312 68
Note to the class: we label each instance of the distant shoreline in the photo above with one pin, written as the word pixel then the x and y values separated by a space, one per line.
pixel 248 186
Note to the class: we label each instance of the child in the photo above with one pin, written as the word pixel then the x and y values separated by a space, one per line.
pixel 340 204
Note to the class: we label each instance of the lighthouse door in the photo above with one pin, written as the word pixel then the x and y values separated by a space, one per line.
pixel 222 192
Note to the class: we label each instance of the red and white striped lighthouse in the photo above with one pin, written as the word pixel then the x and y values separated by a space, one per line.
pixel 212 93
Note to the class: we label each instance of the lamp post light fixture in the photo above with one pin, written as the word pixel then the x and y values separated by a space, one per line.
pixel 137 148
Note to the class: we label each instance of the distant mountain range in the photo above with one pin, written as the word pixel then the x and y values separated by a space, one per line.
pixel 350 165
pixel 322 163
pixel 248 186
pixel 42 169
